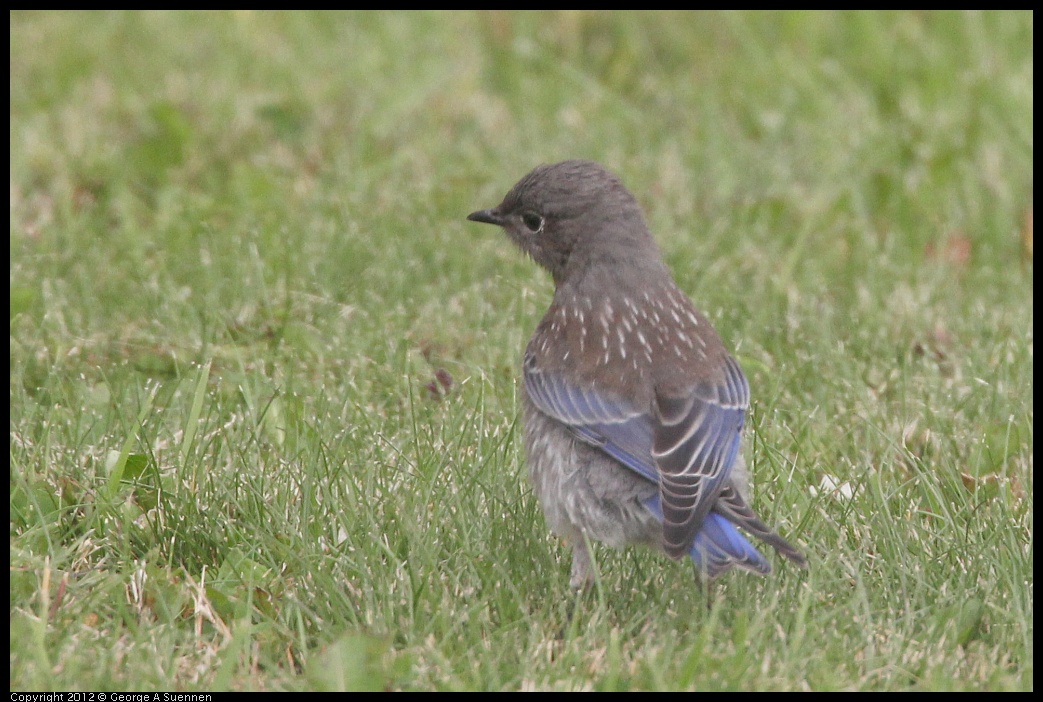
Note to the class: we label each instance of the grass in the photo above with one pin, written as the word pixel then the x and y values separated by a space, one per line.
pixel 264 429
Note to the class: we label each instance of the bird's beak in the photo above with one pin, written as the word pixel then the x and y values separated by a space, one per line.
pixel 486 216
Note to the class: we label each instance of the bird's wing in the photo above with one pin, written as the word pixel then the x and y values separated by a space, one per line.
pixel 706 430
pixel 597 418
pixel 695 440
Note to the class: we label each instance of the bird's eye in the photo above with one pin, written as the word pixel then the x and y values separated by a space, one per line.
pixel 532 221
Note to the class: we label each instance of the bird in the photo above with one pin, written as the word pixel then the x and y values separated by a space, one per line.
pixel 632 408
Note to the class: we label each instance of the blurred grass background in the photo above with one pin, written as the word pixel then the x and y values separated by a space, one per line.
pixel 263 373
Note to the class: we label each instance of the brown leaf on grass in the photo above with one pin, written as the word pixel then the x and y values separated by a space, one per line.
pixel 955 250
pixel 936 347
pixel 989 482
pixel 59 596
pixel 441 385
pixel 1016 488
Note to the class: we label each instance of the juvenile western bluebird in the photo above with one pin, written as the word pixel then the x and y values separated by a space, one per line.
pixel 632 407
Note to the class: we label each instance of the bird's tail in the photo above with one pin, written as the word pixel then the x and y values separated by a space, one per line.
pixel 734 508
pixel 719 546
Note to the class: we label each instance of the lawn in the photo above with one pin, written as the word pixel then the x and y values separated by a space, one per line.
pixel 264 375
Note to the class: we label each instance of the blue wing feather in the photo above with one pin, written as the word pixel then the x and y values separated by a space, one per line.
pixel 695 442
pixel 718 545
pixel 695 449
